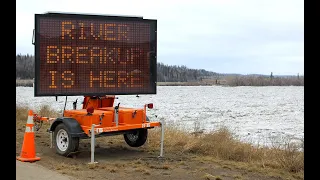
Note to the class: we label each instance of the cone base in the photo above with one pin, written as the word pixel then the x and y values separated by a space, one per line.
pixel 28 159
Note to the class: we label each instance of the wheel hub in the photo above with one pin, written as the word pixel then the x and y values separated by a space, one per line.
pixel 133 136
pixel 62 140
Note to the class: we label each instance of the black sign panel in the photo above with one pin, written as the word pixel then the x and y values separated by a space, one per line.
pixel 94 55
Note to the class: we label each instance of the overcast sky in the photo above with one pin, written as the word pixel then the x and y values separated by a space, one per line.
pixel 225 36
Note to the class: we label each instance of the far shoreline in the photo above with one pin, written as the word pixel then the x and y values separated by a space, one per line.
pixel 233 83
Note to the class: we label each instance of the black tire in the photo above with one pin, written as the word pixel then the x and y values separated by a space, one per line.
pixel 137 138
pixel 68 144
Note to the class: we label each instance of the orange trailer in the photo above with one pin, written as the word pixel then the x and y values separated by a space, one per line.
pixel 98 113
pixel 92 56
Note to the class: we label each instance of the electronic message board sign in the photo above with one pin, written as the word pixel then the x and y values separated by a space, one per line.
pixel 94 55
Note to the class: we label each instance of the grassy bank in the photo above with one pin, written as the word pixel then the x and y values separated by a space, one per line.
pixel 218 146
pixel 251 80
pixel 24 82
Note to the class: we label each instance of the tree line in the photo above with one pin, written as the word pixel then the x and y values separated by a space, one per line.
pixel 165 73
pixel 174 73
pixel 25 68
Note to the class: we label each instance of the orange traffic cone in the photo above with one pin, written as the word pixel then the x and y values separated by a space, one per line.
pixel 28 151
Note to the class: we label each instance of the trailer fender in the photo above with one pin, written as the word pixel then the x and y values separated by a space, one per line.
pixel 73 126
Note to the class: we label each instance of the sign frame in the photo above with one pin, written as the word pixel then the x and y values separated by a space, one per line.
pixel 152 59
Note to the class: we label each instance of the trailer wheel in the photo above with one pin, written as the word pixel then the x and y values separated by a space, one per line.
pixel 64 143
pixel 137 138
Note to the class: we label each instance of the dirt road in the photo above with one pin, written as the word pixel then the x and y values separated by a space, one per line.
pixel 34 171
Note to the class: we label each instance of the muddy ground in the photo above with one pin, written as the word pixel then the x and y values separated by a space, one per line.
pixel 116 160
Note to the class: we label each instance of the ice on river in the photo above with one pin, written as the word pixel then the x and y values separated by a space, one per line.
pixel 253 113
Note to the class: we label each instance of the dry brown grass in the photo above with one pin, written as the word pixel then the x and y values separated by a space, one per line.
pixel 21 113
pixel 221 144
pixel 44 110
pixel 237 177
